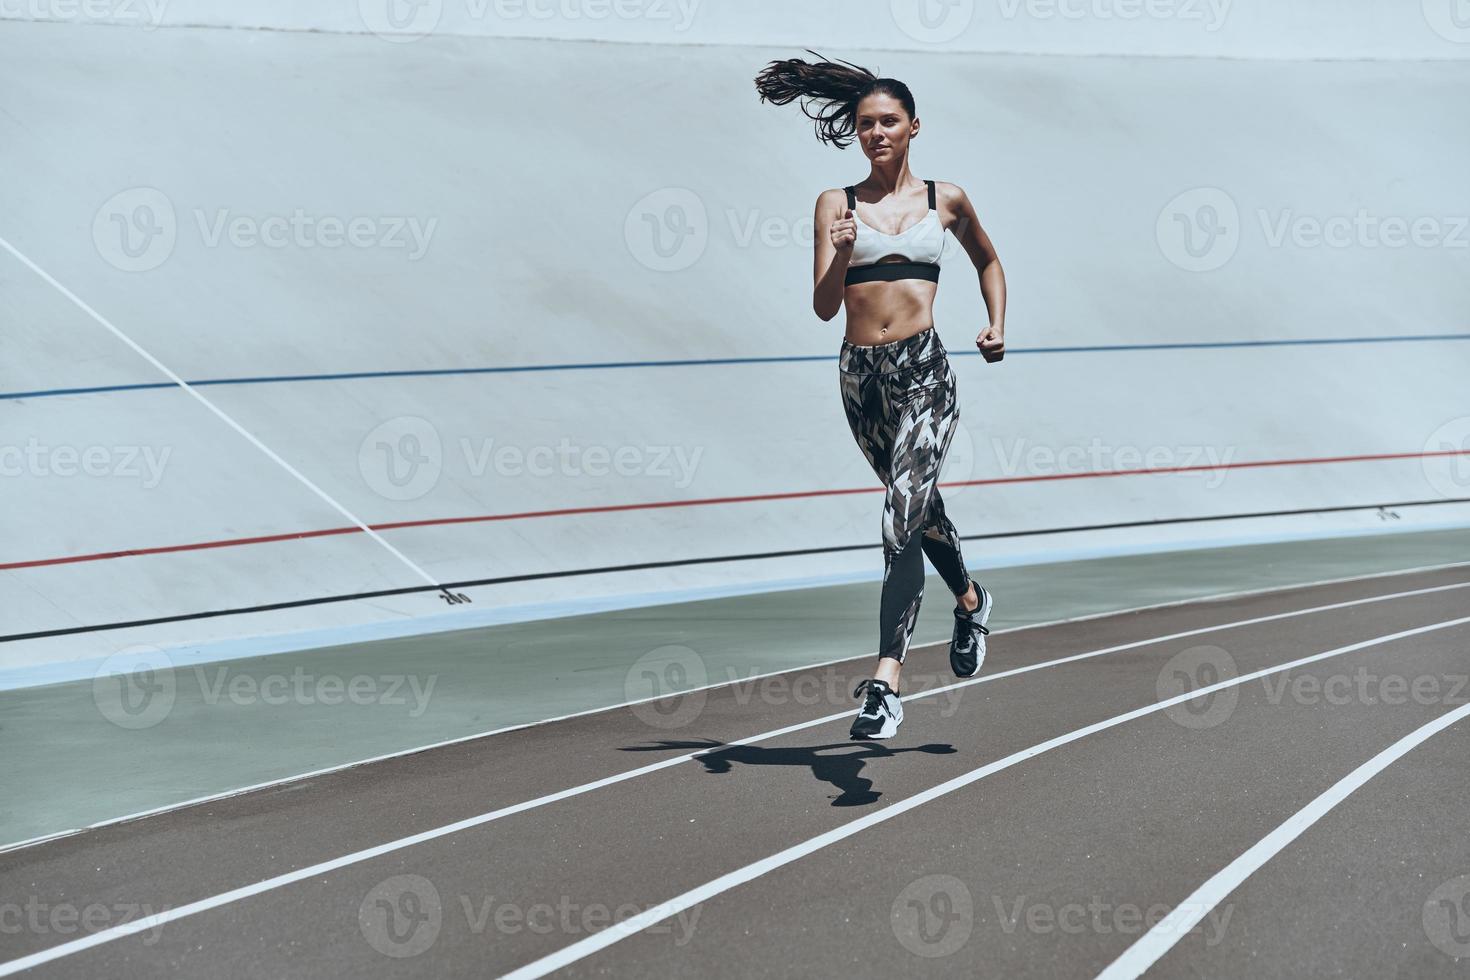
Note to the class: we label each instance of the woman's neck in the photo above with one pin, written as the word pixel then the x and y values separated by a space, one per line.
pixel 889 180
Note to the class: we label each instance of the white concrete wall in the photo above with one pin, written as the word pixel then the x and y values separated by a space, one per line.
pixel 1214 28
pixel 535 173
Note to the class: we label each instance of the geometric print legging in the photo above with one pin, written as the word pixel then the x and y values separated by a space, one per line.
pixel 902 406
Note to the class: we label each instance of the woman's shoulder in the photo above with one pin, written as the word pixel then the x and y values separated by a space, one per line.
pixel 948 191
pixel 953 202
pixel 832 199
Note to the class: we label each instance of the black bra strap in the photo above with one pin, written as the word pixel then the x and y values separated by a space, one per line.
pixel 932 205
pixel 851 198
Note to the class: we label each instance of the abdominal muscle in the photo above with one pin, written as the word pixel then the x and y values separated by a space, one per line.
pixel 885 312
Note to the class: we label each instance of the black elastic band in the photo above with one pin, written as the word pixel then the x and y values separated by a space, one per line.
pixel 932 206
pixel 889 271
pixel 851 199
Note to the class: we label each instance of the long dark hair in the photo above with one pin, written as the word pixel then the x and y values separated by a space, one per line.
pixel 841 85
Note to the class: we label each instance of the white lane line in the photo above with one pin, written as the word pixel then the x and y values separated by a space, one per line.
pixel 171 807
pixel 331 501
pixel 628 927
pixel 246 891
pixel 1173 927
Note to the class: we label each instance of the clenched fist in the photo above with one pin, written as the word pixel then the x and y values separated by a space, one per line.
pixel 992 343
pixel 844 231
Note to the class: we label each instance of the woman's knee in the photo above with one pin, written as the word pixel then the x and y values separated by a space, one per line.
pixel 898 542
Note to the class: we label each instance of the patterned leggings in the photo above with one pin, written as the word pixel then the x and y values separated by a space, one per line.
pixel 902 407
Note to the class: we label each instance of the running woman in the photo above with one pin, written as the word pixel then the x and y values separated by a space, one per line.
pixel 897 388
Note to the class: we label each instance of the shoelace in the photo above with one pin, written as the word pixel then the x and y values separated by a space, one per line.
pixel 970 617
pixel 875 696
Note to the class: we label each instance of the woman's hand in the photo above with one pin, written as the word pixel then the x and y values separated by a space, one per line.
pixel 992 342
pixel 844 231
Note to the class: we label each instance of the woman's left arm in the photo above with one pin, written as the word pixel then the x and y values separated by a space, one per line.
pixel 971 234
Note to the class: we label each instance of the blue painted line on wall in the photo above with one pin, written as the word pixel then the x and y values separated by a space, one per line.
pixel 710 362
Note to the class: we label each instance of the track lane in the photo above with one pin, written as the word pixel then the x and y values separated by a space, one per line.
pixel 630 804
pixel 1379 886
pixel 1054 865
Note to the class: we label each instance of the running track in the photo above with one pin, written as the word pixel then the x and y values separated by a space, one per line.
pixel 1022 823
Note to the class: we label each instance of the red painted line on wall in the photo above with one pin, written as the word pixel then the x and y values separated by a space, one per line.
pixel 705 502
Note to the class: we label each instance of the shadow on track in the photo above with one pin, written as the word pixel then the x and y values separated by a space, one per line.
pixel 842 769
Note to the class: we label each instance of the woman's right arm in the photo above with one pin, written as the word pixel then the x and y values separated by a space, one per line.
pixel 834 232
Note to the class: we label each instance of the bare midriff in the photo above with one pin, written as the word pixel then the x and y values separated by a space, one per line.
pixel 884 312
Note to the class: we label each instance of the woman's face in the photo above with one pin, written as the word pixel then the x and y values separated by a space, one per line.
pixel 884 127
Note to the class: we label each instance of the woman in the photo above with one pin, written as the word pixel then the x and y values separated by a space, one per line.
pixel 897 387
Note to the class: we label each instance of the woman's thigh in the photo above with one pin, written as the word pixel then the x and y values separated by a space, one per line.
pixel 872 418
pixel 926 415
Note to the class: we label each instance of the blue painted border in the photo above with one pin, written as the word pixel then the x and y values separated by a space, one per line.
pixel 703 362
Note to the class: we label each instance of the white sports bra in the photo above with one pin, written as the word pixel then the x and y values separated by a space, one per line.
pixel 920 245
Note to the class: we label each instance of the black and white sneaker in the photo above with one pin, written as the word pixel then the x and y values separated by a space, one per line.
pixel 881 713
pixel 967 648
